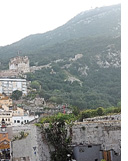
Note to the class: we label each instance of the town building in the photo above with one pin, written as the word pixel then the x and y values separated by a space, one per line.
pixel 13 115
pixel 7 86
pixel 87 153
pixel 21 120
pixel 16 117
pixel 7 116
pixel 94 153
pixel 17 111
pixel 5 100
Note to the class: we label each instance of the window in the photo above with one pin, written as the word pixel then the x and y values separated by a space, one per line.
pixel 89 146
pixel 116 153
pixel 8 119
pixel 18 121
pixel 14 121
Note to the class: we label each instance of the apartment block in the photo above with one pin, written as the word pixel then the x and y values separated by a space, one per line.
pixel 7 86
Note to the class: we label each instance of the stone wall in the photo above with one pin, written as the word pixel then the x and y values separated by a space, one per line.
pixel 107 134
pixel 26 147
pixel 103 118
pixel 9 74
pixel 31 147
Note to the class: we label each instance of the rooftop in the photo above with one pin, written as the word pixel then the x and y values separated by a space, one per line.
pixel 8 79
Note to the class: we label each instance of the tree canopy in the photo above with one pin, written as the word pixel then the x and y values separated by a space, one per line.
pixel 16 95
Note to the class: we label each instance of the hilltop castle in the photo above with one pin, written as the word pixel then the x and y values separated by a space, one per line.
pixel 17 66
pixel 20 64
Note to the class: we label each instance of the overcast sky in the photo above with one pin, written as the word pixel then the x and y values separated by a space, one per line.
pixel 20 18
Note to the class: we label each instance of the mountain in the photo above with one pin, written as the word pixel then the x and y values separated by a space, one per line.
pixel 84 58
pixel 104 21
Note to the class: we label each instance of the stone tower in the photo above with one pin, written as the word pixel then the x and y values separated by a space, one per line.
pixel 19 64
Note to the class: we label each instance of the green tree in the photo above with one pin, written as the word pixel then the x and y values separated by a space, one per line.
pixel 30 76
pixel 35 85
pixel 16 95
pixel 57 100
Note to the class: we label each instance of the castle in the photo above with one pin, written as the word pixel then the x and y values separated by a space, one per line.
pixel 17 66
pixel 20 64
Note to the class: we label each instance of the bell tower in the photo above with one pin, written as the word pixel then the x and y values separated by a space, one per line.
pixel 3 126
pixel 4 142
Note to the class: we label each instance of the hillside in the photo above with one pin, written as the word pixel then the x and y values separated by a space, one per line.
pixel 84 58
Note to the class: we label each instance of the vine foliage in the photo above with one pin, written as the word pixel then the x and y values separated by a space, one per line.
pixel 58 134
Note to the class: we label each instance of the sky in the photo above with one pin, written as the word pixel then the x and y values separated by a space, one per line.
pixel 20 18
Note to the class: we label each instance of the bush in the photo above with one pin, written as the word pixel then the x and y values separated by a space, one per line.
pixel 100 111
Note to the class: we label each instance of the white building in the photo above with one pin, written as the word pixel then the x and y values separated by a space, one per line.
pixel 7 86
pixel 21 120
pixel 7 116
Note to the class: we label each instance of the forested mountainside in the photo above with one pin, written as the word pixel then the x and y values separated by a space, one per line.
pixel 83 57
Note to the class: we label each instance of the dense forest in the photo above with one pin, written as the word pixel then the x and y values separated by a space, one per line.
pixel 97 90
pixel 97 86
